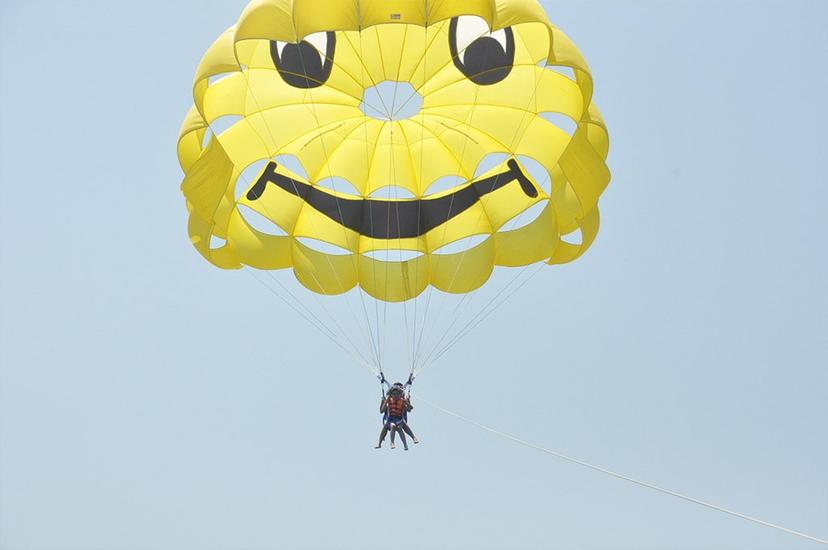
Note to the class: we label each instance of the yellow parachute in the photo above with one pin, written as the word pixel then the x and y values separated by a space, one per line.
pixel 391 146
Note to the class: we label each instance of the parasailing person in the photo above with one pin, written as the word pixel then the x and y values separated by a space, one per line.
pixel 394 407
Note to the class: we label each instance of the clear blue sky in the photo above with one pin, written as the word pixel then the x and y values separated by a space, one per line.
pixel 150 401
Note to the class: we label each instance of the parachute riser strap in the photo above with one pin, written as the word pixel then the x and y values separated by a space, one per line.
pixel 408 385
pixel 383 383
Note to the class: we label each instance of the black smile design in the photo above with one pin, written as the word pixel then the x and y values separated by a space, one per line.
pixel 392 219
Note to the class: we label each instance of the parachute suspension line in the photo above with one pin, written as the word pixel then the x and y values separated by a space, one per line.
pixel 393 168
pixel 326 309
pixel 428 47
pixel 417 336
pixel 391 178
pixel 419 343
pixel 420 337
pixel 308 315
pixel 467 327
pixel 451 204
pixel 358 357
pixel 455 316
pixel 369 157
pixel 481 316
pixel 339 209
pixel 387 243
pixel 404 141
pixel 468 298
pixel 402 264
pixel 434 355
pixel 342 333
pixel 463 305
pixel 331 316
pixel 408 330
pixel 421 189
pixel 623 477
pixel 374 348
pixel 415 339
pixel 356 350
pixel 382 331
pixel 465 296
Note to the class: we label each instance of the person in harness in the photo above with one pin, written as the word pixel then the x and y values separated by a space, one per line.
pixel 395 407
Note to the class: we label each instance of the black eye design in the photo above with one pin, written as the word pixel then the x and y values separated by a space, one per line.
pixel 484 57
pixel 307 64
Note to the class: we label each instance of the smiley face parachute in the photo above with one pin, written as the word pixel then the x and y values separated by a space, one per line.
pixel 392 151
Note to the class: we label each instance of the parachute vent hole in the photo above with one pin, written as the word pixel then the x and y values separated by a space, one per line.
pixel 223 123
pixel 212 80
pixel 561 121
pixel 462 245
pixel 248 177
pixel 260 223
pixel 490 162
pixel 525 218
pixel 292 163
pixel 538 172
pixel 393 255
pixel 339 185
pixel 568 72
pixel 391 100
pixel 392 192
pixel 217 242
pixel 324 247
pixel 446 183
pixel 575 237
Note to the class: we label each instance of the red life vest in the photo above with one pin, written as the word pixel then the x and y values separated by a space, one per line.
pixel 396 406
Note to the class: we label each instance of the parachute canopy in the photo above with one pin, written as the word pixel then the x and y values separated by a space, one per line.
pixel 392 145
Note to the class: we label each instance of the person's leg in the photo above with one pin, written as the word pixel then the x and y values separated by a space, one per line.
pixel 393 436
pixel 402 437
pixel 407 430
pixel 382 436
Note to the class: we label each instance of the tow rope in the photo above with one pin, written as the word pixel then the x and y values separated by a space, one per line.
pixel 629 479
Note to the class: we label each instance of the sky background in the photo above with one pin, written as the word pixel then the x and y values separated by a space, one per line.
pixel 151 401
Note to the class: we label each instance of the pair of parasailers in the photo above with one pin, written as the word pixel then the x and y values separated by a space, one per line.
pixel 394 407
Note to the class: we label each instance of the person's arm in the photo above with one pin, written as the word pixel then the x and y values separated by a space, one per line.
pixel 408 405
pixel 383 405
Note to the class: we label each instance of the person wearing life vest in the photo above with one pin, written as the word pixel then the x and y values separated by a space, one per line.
pixel 395 406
